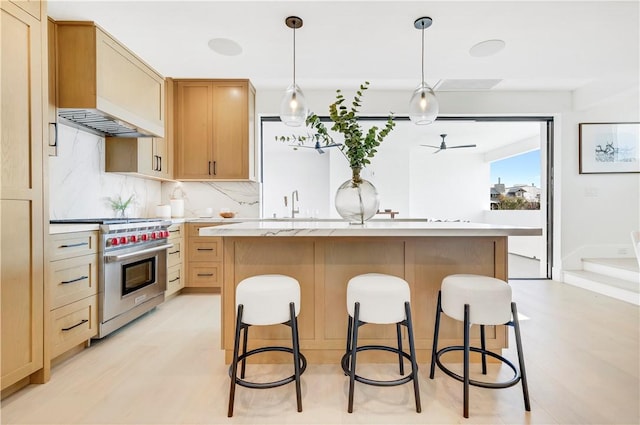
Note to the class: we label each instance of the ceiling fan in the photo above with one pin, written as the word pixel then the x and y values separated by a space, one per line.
pixel 444 146
pixel 318 147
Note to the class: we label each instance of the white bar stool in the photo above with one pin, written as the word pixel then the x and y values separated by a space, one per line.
pixel 266 300
pixel 483 300
pixel 379 299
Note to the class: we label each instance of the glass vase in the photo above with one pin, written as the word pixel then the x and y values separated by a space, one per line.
pixel 357 199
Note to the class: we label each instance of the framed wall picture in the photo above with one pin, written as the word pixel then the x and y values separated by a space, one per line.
pixel 609 147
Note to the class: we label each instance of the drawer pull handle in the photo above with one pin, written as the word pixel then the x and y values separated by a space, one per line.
pixel 173 280
pixel 205 274
pixel 205 249
pixel 66 282
pixel 82 322
pixel 73 245
pixel 174 252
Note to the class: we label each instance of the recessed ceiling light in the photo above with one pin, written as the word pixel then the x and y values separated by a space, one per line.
pixel 225 46
pixel 487 48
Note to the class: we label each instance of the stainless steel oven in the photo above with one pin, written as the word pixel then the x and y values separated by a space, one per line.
pixel 133 271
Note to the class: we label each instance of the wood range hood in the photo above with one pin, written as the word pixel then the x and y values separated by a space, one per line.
pixel 102 87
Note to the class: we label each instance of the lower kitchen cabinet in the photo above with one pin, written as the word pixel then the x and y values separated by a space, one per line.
pixel 73 285
pixel 204 259
pixel 175 260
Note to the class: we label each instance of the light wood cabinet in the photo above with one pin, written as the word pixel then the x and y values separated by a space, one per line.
pixel 95 71
pixel 143 156
pixel 73 285
pixel 175 260
pixel 214 129
pixel 149 157
pixel 204 258
pixel 23 93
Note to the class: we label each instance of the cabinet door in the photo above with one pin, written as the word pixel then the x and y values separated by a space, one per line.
pixel 230 130
pixel 194 130
pixel 22 88
pixel 160 158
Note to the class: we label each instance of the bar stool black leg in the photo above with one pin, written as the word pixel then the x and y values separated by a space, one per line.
pixel 436 332
pixel 244 350
pixel 467 328
pixel 483 345
pixel 412 352
pixel 349 336
pixel 354 346
pixel 400 357
pixel 523 373
pixel 234 362
pixel 296 353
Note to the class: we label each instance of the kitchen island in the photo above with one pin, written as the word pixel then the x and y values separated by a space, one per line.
pixel 324 255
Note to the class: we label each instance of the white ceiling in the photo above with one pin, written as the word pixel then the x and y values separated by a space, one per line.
pixel 554 45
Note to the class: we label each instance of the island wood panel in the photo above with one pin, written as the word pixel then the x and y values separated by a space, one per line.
pixel 324 265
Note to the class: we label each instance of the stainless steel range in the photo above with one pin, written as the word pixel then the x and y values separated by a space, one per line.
pixel 132 269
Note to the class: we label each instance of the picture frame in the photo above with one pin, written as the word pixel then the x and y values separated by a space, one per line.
pixel 609 147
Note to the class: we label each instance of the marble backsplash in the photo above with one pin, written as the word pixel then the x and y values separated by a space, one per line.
pixel 206 199
pixel 79 187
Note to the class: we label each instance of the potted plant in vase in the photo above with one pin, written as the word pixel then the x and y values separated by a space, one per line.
pixel 356 199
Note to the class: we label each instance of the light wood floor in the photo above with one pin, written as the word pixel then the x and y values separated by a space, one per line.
pixel 581 353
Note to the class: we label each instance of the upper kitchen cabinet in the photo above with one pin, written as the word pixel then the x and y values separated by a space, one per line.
pixel 23 94
pixel 214 129
pixel 103 86
pixel 148 157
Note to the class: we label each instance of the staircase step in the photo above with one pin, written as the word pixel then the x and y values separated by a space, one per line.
pixel 613 287
pixel 622 268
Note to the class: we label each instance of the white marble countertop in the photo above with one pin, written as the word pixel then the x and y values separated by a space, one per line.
pixel 370 228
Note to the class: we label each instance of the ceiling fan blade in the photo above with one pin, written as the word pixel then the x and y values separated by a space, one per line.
pixel 320 151
pixel 431 146
pixel 461 146
pixel 303 146
pixel 333 145
pixel 437 151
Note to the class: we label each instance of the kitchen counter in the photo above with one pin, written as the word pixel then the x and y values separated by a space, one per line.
pixel 329 228
pixel 324 255
pixel 55 229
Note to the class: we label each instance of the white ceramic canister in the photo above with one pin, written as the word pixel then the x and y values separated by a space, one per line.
pixel 177 208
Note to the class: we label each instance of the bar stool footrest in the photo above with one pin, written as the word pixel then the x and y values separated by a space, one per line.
pixel 505 384
pixel 391 383
pixel 273 384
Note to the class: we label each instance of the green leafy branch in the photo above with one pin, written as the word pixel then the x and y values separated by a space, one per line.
pixel 118 204
pixel 358 146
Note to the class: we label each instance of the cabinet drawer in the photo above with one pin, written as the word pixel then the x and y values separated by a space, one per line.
pixel 175 231
pixel 73 279
pixel 194 229
pixel 205 249
pixel 73 324
pixel 205 275
pixel 174 255
pixel 68 245
pixel 174 280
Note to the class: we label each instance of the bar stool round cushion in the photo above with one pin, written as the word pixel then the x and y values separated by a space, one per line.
pixel 489 298
pixel 381 297
pixel 266 298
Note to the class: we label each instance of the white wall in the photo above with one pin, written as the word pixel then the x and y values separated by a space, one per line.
pixel 599 211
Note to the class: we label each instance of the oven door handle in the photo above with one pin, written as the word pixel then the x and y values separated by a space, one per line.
pixel 113 258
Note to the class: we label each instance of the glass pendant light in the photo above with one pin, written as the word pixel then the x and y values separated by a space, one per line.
pixel 293 108
pixel 423 106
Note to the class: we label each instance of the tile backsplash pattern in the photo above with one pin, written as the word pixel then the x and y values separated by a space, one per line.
pixel 80 188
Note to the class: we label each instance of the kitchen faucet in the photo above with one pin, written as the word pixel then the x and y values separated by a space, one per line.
pixel 294 198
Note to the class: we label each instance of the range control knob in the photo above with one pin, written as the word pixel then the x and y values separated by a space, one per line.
pixel 165 233
pixel 123 240
pixel 144 237
pixel 133 238
pixel 154 235
pixel 113 242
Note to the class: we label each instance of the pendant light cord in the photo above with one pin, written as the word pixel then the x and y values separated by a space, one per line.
pixel 423 54
pixel 294 56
